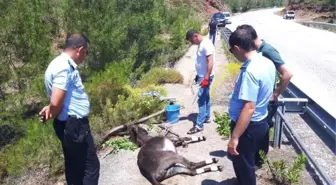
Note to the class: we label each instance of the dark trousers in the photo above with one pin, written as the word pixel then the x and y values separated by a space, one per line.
pixel 212 37
pixel 272 108
pixel 81 161
pixel 249 144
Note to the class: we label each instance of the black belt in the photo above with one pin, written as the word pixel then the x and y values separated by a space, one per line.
pixel 74 116
pixel 254 122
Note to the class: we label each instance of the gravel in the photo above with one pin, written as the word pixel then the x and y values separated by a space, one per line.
pixel 309 53
pixel 320 152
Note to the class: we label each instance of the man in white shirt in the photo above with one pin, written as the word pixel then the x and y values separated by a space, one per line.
pixel 204 77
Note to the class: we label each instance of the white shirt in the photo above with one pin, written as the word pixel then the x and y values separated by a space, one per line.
pixel 205 48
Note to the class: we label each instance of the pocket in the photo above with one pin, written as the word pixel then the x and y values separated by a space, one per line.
pixel 75 130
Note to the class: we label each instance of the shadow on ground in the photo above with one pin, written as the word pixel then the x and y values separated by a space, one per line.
pixel 218 153
pixel 191 117
pixel 232 181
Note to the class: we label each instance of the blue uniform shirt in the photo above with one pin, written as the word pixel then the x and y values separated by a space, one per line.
pixel 62 73
pixel 255 83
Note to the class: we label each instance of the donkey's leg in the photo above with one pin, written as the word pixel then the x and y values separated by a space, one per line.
pixel 175 170
pixel 193 165
pixel 209 169
pixel 193 139
pixel 153 180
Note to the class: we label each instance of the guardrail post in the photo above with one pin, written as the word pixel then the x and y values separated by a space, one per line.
pixel 278 127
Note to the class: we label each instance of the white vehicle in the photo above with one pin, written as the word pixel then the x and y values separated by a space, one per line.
pixel 289 15
pixel 227 15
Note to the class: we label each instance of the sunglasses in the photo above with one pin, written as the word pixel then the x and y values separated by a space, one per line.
pixel 231 50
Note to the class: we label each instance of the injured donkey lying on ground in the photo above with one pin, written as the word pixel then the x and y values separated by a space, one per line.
pixel 158 158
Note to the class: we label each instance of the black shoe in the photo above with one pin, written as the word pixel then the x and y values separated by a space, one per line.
pixel 207 121
pixel 194 130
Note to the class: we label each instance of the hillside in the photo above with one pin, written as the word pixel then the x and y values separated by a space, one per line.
pixel 314 10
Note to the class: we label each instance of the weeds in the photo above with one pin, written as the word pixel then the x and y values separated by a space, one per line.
pixel 120 144
pixel 205 31
pixel 108 70
pixel 223 121
pixel 271 134
pixel 159 76
pixel 282 173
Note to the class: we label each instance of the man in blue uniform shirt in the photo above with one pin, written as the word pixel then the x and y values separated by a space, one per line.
pixel 271 53
pixel 69 107
pixel 248 105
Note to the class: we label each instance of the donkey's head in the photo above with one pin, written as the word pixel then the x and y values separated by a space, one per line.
pixel 138 135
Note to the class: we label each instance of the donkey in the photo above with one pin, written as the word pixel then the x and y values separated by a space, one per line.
pixel 158 159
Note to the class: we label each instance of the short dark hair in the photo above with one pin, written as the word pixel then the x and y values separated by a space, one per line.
pixel 76 40
pixel 190 34
pixel 243 39
pixel 249 29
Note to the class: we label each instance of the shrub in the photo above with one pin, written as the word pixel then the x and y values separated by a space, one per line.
pixel 159 76
pixel 129 107
pixel 108 84
pixel 132 107
pixel 120 144
pixel 223 121
pixel 38 146
pixel 282 173
pixel 205 31
pixel 232 69
pixel 231 74
pixel 125 42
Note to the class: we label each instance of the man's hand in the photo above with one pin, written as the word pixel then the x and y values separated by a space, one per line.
pixel 232 146
pixel 285 78
pixel 45 114
pixel 55 107
pixel 205 83
pixel 275 95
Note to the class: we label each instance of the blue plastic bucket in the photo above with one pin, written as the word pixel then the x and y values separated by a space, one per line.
pixel 172 113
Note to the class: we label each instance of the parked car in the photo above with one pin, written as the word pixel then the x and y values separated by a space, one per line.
pixel 227 15
pixel 289 15
pixel 220 19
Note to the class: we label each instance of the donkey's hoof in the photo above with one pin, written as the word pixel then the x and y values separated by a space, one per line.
pixel 185 145
pixel 215 160
pixel 204 138
pixel 220 168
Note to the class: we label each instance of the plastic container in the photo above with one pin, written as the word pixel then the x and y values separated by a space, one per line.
pixel 172 113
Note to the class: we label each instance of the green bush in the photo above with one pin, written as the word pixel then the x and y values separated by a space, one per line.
pixel 108 85
pixel 157 76
pixel 283 173
pixel 120 144
pixel 223 121
pixel 39 148
pixel 129 107
pixel 126 41
pixel 132 107
pixel 245 5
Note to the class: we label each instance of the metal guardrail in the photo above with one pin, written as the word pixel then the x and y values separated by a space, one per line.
pixel 317 113
pixel 321 117
pixel 297 140
pixel 319 24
